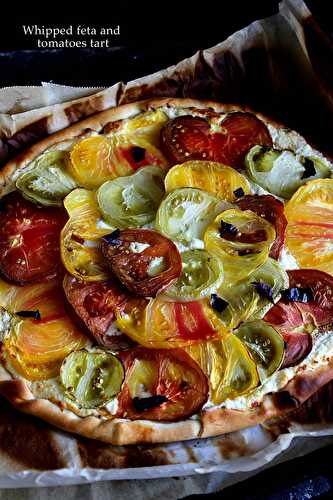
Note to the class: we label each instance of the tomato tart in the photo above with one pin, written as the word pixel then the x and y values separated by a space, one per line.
pixel 166 273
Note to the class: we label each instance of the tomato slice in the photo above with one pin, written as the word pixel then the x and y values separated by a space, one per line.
pixel 166 324
pixel 161 385
pixel 296 320
pixel 91 379
pixel 144 261
pixel 191 138
pixel 213 177
pixel 36 348
pixel 29 240
pixel 271 209
pixel 240 131
pixel 94 304
pixel 310 225
pixel 227 364
pixel 241 240
pixel 312 314
pixel 298 346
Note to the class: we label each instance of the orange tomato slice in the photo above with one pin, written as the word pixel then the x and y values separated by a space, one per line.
pixel 36 348
pixel 310 225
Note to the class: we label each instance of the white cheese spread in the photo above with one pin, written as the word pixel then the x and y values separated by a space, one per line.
pixel 137 247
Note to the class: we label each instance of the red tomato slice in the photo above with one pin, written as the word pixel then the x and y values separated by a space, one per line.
pixel 190 138
pixel 298 346
pixel 29 240
pixel 315 313
pixel 241 131
pixel 191 321
pixel 132 267
pixel 294 320
pixel 186 138
pixel 177 387
pixel 94 304
pixel 271 209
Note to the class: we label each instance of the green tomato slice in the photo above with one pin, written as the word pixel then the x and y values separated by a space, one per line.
pixel 185 214
pixel 132 201
pixel 46 180
pixel 281 172
pixel 91 379
pixel 244 300
pixel 202 274
pixel 265 345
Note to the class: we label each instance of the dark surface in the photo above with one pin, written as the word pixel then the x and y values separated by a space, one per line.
pixel 303 478
pixel 149 40
pixel 143 47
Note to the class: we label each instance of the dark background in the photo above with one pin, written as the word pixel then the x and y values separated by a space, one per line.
pixel 152 38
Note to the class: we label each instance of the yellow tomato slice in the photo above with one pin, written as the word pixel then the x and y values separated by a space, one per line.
pixel 230 370
pixel 36 348
pixel 245 251
pixel 209 176
pixel 166 324
pixel 147 125
pixel 82 259
pixel 310 225
pixel 91 162
pixel 85 216
pixel 78 240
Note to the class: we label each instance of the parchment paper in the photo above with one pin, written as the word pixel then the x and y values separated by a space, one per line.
pixel 274 65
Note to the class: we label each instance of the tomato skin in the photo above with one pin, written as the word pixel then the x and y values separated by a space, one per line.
pixel 271 209
pixel 29 241
pixel 190 138
pixel 94 304
pixel 131 268
pixel 185 396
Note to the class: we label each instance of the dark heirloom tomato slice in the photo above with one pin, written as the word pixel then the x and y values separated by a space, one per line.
pixel 295 320
pixel 190 138
pixel 161 384
pixel 241 131
pixel 298 346
pixel 94 304
pixel 29 240
pixel 144 261
pixel 316 312
pixel 186 138
pixel 271 209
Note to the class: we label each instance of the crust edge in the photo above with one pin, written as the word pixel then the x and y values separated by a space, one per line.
pixel 210 423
